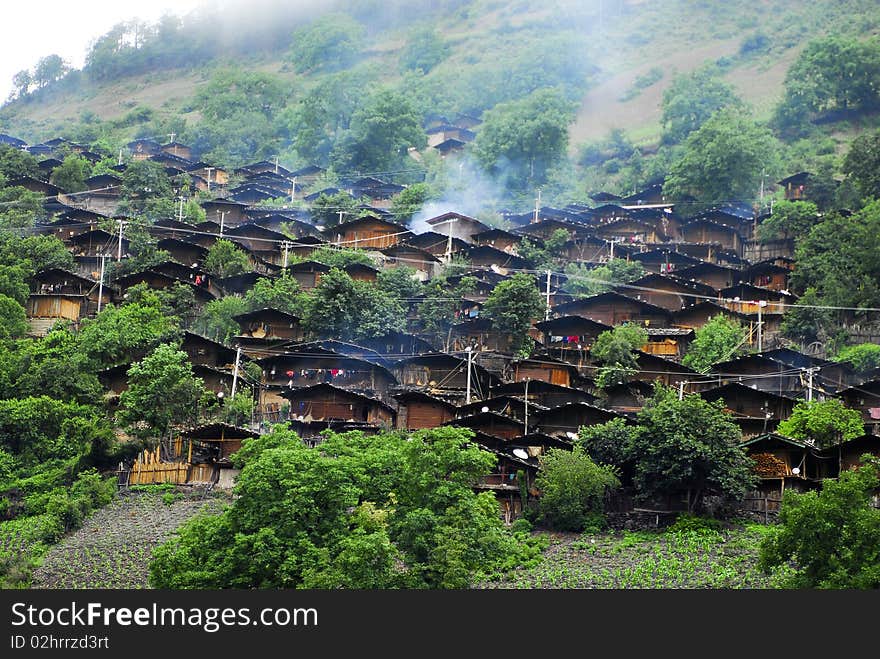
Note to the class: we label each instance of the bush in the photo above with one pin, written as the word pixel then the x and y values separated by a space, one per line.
pixel 572 489
pixel 688 523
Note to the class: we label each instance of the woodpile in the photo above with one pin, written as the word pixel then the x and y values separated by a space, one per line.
pixel 767 464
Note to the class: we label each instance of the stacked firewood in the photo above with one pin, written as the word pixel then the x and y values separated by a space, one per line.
pixel 767 464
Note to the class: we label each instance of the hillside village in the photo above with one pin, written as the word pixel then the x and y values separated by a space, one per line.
pixel 518 402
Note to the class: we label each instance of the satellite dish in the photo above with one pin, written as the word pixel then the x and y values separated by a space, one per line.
pixel 521 453
pixel 571 435
pixel 484 409
pixel 796 471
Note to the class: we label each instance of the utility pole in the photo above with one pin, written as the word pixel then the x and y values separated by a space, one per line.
pixel 762 187
pixel 293 189
pixel 222 215
pixel 209 170
pixel 449 240
pixel 810 382
pixel 526 422
pixel 340 217
pixel 101 283
pixel 180 212
pixel 537 205
pixel 761 303
pixel 286 249
pixel 276 164
pixel 235 370
pixel 119 248
pixel 547 308
pixel 119 162
pixel 467 398
pixel 681 389
pixel 171 135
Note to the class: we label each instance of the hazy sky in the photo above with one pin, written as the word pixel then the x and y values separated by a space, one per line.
pixel 35 28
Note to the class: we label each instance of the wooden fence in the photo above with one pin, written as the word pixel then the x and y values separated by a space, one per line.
pixel 150 468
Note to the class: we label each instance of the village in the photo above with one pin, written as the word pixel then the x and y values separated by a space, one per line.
pixel 696 268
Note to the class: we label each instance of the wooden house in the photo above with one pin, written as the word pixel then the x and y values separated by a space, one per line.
pixel 709 231
pixel 796 186
pixel 544 229
pixel 650 195
pixel 628 230
pixel 545 369
pixel 157 280
pixel 202 350
pixel 210 447
pixel 767 275
pixel 626 398
pixel 304 247
pixel 141 149
pixel 711 274
pixel 654 368
pixel 183 251
pixel 756 412
pixel 479 334
pixel 697 315
pixel 362 272
pixel 177 149
pixel 829 376
pixel 218 380
pixel 614 309
pixel 490 423
pixel 460 226
pixel 263 243
pixel 514 407
pixel 417 410
pixel 439 372
pixel 398 345
pixel 484 256
pixel 668 342
pixel 666 291
pixel 848 454
pixel 568 418
pixel 564 334
pixel 59 281
pixel 782 463
pixel 747 299
pixel 864 397
pixel 426 265
pixel 340 348
pixel 44 310
pixel 96 243
pixel 269 325
pixel 435 243
pixel 308 273
pixel 367 232
pixel 543 393
pixel 761 373
pixel 506 241
pixel 227 213
pixel 589 249
pixel 325 401
pixel 665 260
pixel 216 176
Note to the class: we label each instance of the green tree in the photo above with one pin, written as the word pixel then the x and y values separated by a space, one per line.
pixel 720 339
pixel 548 255
pixel 436 313
pixel 282 293
pixel 216 319
pixel 520 141
pixel 400 282
pixel 408 202
pixel 584 281
pixel 332 41
pixel 162 393
pixel 121 333
pixel 723 160
pixel 862 163
pixel 688 446
pixel 72 173
pixel 341 258
pixel 326 210
pixel 20 208
pixel 824 423
pixel 226 259
pixel 831 74
pixel 382 131
pixel 691 99
pixel 342 308
pixel 789 219
pixel 13 282
pixel 13 321
pixel 864 357
pixel 615 350
pixel 573 490
pixel 424 50
pixel 49 69
pixel 34 253
pixel 830 538
pixel 609 443
pixel 142 181
pixel 15 162
pixel 21 84
pixel 512 306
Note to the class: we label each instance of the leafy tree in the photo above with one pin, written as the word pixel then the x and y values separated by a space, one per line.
pixel 21 84
pixel 572 489
pixel 688 446
pixel 823 423
pixel 723 160
pixel 424 50
pixel 143 180
pixel 519 141
pixel 226 259
pixel 864 357
pixel 216 319
pixel 831 538
pixel 609 443
pixel 342 308
pixel 72 173
pixel 15 162
pixel 236 93
pixel 382 131
pixel 400 282
pixel 341 258
pixel 49 69
pixel 20 208
pixel 512 306
pixel 282 293
pixel 584 281
pixel 408 202
pixel 122 333
pixel 862 163
pixel 546 256
pixel 358 512
pixel 326 210
pixel 691 99
pixel 13 282
pixel 34 253
pixel 332 41
pixel 789 219
pixel 13 321
pixel 720 339
pixel 614 351
pixel 831 74
pixel 807 322
pixel 162 393
pixel 436 313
